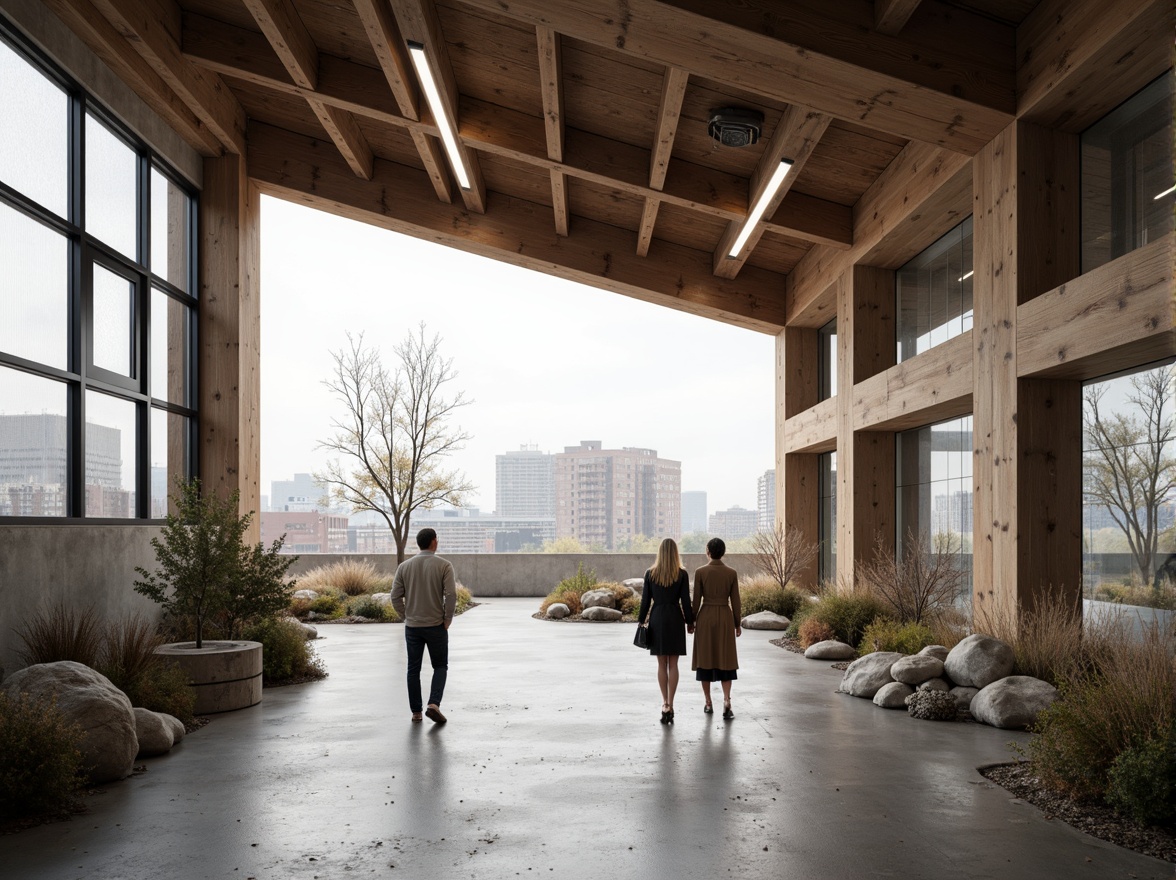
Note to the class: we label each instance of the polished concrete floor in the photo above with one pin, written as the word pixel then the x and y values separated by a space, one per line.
pixel 554 764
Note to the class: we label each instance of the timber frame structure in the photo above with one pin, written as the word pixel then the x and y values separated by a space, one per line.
pixel 583 126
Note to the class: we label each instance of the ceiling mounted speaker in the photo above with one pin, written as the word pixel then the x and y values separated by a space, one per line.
pixel 735 126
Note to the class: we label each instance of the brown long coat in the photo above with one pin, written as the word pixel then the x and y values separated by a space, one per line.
pixel 716 610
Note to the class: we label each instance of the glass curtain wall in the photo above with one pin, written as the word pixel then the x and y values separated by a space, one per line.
pixel 827 518
pixel 934 490
pixel 827 361
pixel 934 294
pixel 97 305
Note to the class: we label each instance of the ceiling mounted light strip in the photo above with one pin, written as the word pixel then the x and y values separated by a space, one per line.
pixel 445 125
pixel 761 205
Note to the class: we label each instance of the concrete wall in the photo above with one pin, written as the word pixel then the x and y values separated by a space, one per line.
pixel 87 566
pixel 527 574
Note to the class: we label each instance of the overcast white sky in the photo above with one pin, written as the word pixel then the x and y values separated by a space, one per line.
pixel 546 361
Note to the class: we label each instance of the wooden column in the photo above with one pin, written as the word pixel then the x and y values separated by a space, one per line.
pixel 865 459
pixel 1026 433
pixel 797 477
pixel 229 335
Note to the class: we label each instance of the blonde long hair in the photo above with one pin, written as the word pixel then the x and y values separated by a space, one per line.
pixel 668 566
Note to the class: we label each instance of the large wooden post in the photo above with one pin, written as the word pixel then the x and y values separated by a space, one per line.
pixel 1026 432
pixel 797 475
pixel 230 334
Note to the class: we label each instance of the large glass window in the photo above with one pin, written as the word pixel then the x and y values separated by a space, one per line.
pixel 1127 186
pixel 97 307
pixel 934 292
pixel 934 483
pixel 827 518
pixel 1129 488
pixel 827 361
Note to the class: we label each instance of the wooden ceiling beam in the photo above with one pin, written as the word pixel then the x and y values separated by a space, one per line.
pixel 830 60
pixel 795 138
pixel 891 16
pixel 551 90
pixel 418 23
pixel 144 26
pixel 117 54
pixel 668 111
pixel 400 198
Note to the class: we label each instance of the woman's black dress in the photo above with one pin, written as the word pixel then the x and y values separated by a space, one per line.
pixel 671 613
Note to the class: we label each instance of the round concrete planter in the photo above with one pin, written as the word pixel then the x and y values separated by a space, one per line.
pixel 225 675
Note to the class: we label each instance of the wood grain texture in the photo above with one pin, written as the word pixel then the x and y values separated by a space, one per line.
pixel 384 35
pixel 814 429
pixel 559 202
pixel 345 134
pixel 927 388
pixel 291 41
pixel 797 476
pixel 668 112
pixel 551 88
pixel 645 230
pixel 891 16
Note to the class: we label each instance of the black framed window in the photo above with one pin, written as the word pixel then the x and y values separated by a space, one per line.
pixel 827 516
pixel 934 294
pixel 827 361
pixel 97 305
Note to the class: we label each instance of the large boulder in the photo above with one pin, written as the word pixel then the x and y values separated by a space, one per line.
pixel 558 611
pixel 830 649
pixel 176 725
pixel 308 595
pixel 765 620
pixel 598 599
pixel 599 612
pixel 932 706
pixel 309 631
pixel 88 699
pixel 978 661
pixel 384 599
pixel 939 652
pixel 1013 703
pixel 153 732
pixel 866 675
pixel 964 697
pixel 893 695
pixel 935 684
pixel 916 669
pixel 635 584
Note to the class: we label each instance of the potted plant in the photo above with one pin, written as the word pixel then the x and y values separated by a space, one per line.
pixel 208 578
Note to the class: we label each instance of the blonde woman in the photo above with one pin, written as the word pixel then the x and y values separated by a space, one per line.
pixel 665 603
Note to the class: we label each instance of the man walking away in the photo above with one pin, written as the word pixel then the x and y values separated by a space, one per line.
pixel 424 594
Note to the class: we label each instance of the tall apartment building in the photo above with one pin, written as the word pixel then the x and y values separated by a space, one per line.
pixel 765 501
pixel 524 483
pixel 305 531
pixel 693 512
pixel 299 495
pixel 733 523
pixel 605 496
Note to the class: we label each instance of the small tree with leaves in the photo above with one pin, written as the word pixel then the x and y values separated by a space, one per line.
pixel 394 435
pixel 782 554
pixel 923 580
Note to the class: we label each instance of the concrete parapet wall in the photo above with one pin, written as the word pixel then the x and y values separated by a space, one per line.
pixel 527 574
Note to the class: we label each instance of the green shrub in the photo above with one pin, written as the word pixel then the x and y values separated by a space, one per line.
pixel 149 681
pixel 60 632
pixel 366 606
pixel 328 605
pixel 847 614
pixel 890 635
pixel 163 687
pixel 569 590
pixel 39 757
pixel 763 594
pixel 1142 781
pixel 285 652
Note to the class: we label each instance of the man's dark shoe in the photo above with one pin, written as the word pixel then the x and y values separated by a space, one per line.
pixel 434 715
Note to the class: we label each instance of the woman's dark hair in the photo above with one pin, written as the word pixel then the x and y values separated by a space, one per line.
pixel 716 548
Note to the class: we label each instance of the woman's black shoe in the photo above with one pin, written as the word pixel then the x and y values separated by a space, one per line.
pixel 727 713
pixel 665 719
pixel 670 717
pixel 708 709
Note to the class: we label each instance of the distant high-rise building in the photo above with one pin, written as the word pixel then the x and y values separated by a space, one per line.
pixel 299 495
pixel 606 496
pixel 305 531
pixel 734 523
pixel 693 512
pixel 765 505
pixel 525 483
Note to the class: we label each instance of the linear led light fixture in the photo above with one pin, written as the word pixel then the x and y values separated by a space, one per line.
pixel 448 130
pixel 1164 193
pixel 761 205
pixel 965 277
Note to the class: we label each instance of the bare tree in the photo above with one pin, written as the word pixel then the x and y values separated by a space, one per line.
pixel 394 436
pixel 924 580
pixel 1129 468
pixel 782 553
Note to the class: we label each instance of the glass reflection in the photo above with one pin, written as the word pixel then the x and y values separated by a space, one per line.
pixel 934 293
pixel 112 190
pixel 34 444
pixel 170 344
pixel 34 155
pixel 34 290
pixel 827 517
pixel 113 322
pixel 169 458
pixel 111 453
pixel 170 230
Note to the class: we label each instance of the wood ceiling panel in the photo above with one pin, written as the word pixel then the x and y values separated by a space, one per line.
pixel 1008 11
pixel 846 161
pixel 337 29
pixel 695 144
pixel 688 228
pixel 610 206
pixel 610 94
pixel 229 11
pixel 493 61
pixel 777 253
pixel 390 142
pixel 276 108
pixel 516 179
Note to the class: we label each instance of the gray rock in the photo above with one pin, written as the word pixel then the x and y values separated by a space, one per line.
pixel 176 725
pixel 384 599
pixel 635 584
pixel 310 632
pixel 935 684
pixel 964 696
pixel 932 706
pixel 154 734
pixel 765 620
pixel 893 695
pixel 916 669
pixel 830 649
pixel 88 699
pixel 978 661
pixel 599 612
pixel 1013 703
pixel 598 599
pixel 558 611
pixel 310 595
pixel 939 652
pixel 866 675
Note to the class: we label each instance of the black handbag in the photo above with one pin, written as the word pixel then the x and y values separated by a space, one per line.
pixel 641 637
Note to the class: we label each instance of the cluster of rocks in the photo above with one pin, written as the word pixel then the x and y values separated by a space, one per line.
pixel 597 604
pixel 936 684
pixel 113 732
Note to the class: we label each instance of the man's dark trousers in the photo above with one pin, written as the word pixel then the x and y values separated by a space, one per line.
pixel 436 639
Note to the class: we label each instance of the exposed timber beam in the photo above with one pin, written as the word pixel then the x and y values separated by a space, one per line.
pixel 418 23
pixel 891 16
pixel 929 387
pixel 551 90
pixel 110 46
pixel 952 87
pixel 489 128
pixel 668 111
pixel 304 170
pixel 152 28
pixel 813 429
pixel 794 140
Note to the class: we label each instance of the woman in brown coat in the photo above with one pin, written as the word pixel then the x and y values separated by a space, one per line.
pixel 716 625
